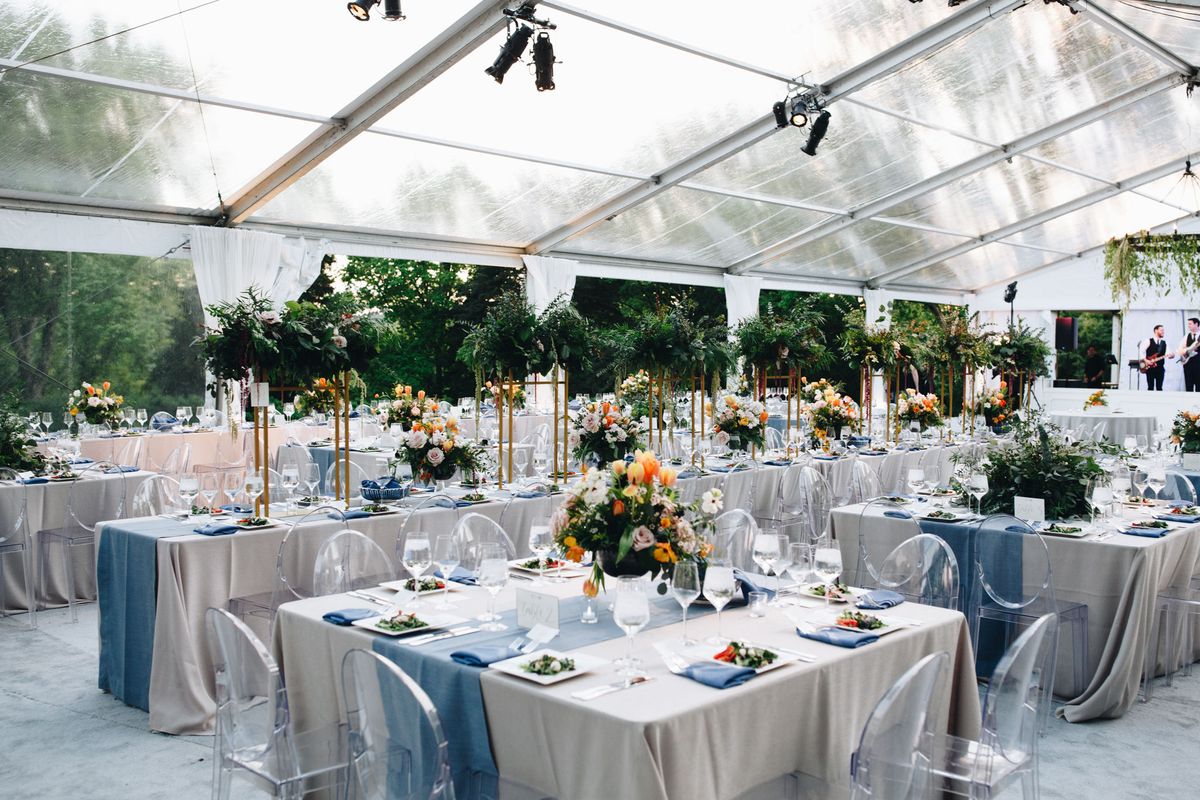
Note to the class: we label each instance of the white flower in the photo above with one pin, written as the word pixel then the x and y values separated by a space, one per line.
pixel 438 439
pixel 573 439
pixel 435 456
pixel 93 401
pixel 711 502
pixel 685 537
pixel 642 538
pixel 416 410
pixel 595 494
pixel 590 423
pixel 78 393
pixel 269 317
pixel 722 438
pixel 417 439
pixel 339 340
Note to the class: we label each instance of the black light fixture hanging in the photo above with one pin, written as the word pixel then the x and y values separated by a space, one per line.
pixel 816 133
pixel 361 9
pixel 512 49
pixel 794 111
pixel 392 11
pixel 543 62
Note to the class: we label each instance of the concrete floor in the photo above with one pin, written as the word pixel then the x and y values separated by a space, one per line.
pixel 63 738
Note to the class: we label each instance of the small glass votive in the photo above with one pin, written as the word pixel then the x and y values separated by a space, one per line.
pixel 758 604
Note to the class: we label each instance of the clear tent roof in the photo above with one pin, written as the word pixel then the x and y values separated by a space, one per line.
pixel 968 144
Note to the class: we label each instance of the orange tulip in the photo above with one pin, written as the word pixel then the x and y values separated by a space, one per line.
pixel 763 417
pixel 618 467
pixel 590 589
pixel 618 507
pixel 636 472
pixel 91 390
pixel 421 395
pixel 666 476
pixel 106 384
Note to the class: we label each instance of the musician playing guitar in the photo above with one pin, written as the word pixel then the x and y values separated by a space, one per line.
pixel 1154 352
pixel 1187 356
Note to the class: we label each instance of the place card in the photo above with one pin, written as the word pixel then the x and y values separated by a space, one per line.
pixel 1029 509
pixel 260 395
pixel 536 608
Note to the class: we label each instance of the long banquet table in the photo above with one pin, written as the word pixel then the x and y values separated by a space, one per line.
pixel 1118 578
pixel 1119 423
pixel 669 738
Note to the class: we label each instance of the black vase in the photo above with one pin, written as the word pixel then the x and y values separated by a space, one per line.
pixel 632 564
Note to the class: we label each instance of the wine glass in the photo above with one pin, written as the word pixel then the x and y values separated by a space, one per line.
pixel 288 410
pixel 520 460
pixel 916 480
pixel 541 461
pixel 128 417
pixel 800 561
pixel 1137 476
pixel 685 585
pixel 189 487
pixel 253 487
pixel 289 479
pixel 447 556
pixel 1156 479
pixel 541 542
pixel 1142 443
pixel 1129 443
pixel 493 576
pixel 142 417
pixel 186 420
pixel 827 563
pixel 210 485
pixel 1122 482
pixel 417 556
pixel 977 487
pixel 179 416
pixel 67 421
pixel 47 421
pixel 719 585
pixel 781 565
pixel 631 612
pixel 765 551
pixel 1101 497
pixel 310 476
pixel 231 485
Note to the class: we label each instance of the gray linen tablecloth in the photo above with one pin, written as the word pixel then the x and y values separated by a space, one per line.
pixel 1119 424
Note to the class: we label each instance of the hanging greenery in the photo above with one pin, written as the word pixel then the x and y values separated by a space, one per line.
pixel 1143 260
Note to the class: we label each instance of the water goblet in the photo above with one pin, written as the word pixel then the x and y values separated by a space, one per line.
pixel 289 410
pixel 189 487
pixel 631 612
pixel 493 576
pixel 977 487
pixel 253 487
pixel 1129 443
pixel 800 561
pixel 765 551
pixel 446 555
pixel 780 567
pixel 1156 479
pixel 417 556
pixel 685 586
pixel 210 485
pixel 289 479
pixel 719 586
pixel 142 417
pixel 827 563
pixel 541 542
pixel 520 461
pixel 231 484
pixel 1142 443
pixel 916 480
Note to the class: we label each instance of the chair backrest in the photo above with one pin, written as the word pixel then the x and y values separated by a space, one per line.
pixel 733 537
pixel 894 750
pixel 252 711
pixel 1178 488
pixel 13 527
pixel 863 484
pixel 924 570
pixel 1010 557
pixel 296 555
pixel 211 418
pixel 1010 710
pixel 740 484
pixel 86 511
pixel 176 462
pixel 349 560
pixel 127 452
pixel 292 454
pixel 473 530
pixel 155 495
pixel 774 438
pixel 338 468
pixel 1099 431
pixel 881 524
pixel 804 495
pixel 396 744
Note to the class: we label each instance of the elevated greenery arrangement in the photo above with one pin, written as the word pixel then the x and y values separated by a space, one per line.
pixel 772 341
pixel 504 340
pixel 959 340
pixel 562 338
pixel 868 343
pixel 1020 349
pixel 1160 262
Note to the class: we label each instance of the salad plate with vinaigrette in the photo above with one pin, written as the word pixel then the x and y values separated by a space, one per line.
pixel 424 585
pixel 738 653
pixel 548 667
pixel 403 623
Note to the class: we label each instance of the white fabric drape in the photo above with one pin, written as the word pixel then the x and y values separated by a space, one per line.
pixel 876 302
pixel 299 266
pixel 546 278
pixel 228 261
pixel 741 299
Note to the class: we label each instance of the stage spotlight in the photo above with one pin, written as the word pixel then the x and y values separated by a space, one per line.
pixel 543 62
pixel 512 49
pixel 1010 292
pixel 816 134
pixel 799 117
pixel 361 9
pixel 392 10
pixel 781 116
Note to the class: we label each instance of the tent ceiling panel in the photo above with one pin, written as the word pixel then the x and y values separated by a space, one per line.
pixel 850 168
pixel 1096 224
pixel 417 188
pixel 862 251
pixel 1176 29
pixel 1177 190
pixel 623 103
pixel 996 196
pixel 816 39
pixel 692 227
pixel 1150 133
pixel 231 45
pixel 984 265
pixel 1017 75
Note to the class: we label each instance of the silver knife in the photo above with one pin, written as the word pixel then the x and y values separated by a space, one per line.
pixel 600 691
pixel 369 597
pixel 437 637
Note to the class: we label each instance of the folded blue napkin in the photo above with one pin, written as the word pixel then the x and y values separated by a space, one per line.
pixel 80 460
pixel 687 474
pixel 897 513
pixel 526 495
pixel 163 423
pixel 839 637
pixel 825 458
pixel 749 583
pixel 128 468
pixel 482 655
pixel 235 508
pixel 1017 529
pixel 880 598
pixel 776 462
pixel 1149 533
pixel 1179 517
pixel 718 676
pixel 216 529
pixel 353 415
pixel 350 514
pixel 345 616
pixel 574 405
pixel 30 481
pixel 460 575
pixel 859 441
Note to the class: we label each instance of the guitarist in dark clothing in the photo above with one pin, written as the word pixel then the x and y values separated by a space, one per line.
pixel 1154 352
pixel 1188 357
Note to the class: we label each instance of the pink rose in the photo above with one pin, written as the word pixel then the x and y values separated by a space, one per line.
pixel 435 456
pixel 642 538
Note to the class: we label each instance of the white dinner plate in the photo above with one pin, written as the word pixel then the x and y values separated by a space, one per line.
pixel 388 510
pixel 271 523
pixel 436 621
pixel 569 568
pixel 398 586
pixel 850 595
pixel 584 664
pixel 828 619
pixel 707 652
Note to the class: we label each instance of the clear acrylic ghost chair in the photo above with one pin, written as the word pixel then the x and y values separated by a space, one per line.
pixel 1018 598
pixel 1176 613
pixel 804 503
pixel 254 731
pixel 232 453
pixel 924 570
pixel 882 526
pixel 740 484
pixel 293 454
pixel 158 494
pixel 1178 489
pixel 1098 432
pixel 83 514
pixel 294 562
pixel 1007 747
pixel 863 484
pixel 347 561
pixel 417 518
pixel 389 758
pixel 15 540
pixel 175 464
pixel 471 532
pixel 774 438
pixel 733 537
pixel 127 453
pixel 357 476
pixel 892 759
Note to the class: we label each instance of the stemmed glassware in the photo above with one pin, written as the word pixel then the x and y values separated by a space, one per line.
pixel 719 586
pixel 289 478
pixel 780 566
pixel 447 556
pixel 142 417
pixel 765 551
pixel 231 485
pixel 916 480
pixel 189 487
pixel 685 585
pixel 187 416
pixel 493 576
pixel 1101 497
pixel 417 557
pixel 1137 476
pixel 977 487
pixel 253 487
pixel 827 563
pixel 1122 482
pixel 541 542
pixel 179 416
pixel 129 417
pixel 800 561
pixel 68 420
pixel 1156 478
pixel 520 461
pixel 47 421
pixel 210 485
pixel 288 410
pixel 631 612
pixel 310 477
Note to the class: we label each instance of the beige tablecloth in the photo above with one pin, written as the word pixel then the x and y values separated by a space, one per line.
pixel 1117 578
pixel 1119 424
pixel 671 738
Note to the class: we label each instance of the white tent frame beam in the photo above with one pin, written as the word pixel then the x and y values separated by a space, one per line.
pixel 1101 17
pixel 1081 202
pixel 969 167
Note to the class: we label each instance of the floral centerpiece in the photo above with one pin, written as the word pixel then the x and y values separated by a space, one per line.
pixel 912 406
pixel 18 450
pixel 1186 431
pixel 600 433
pixel 631 520
pixel 435 451
pixel 493 390
pixel 635 393
pixel 97 405
pixel 993 405
pixel 1095 400
pixel 824 407
pixel 739 422
pixel 318 398
pixel 408 409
